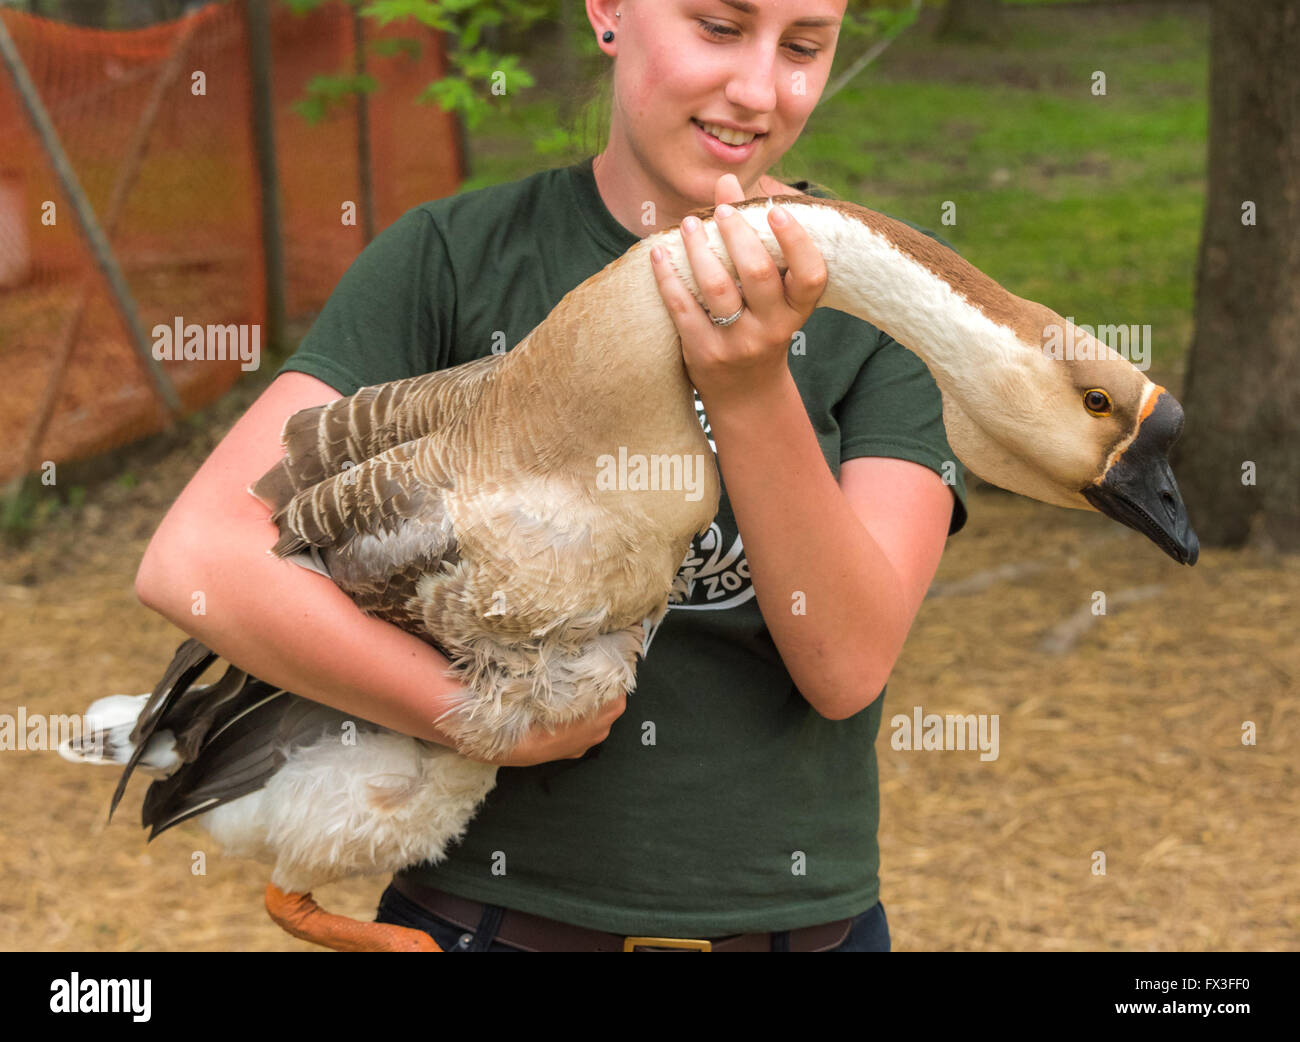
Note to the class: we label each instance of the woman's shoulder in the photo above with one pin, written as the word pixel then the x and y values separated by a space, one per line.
pixel 505 196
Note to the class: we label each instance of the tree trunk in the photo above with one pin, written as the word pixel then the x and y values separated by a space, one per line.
pixel 1239 458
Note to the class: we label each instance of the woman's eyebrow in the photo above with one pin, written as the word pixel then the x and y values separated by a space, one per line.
pixel 747 8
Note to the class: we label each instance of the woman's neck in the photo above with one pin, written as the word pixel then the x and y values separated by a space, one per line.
pixel 624 191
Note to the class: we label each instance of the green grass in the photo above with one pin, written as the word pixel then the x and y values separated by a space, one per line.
pixel 1089 204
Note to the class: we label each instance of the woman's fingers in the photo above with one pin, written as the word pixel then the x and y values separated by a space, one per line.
pixel 805 277
pixel 569 742
pixel 760 281
pixel 774 300
pixel 685 310
pixel 721 294
pixel 597 729
pixel 728 190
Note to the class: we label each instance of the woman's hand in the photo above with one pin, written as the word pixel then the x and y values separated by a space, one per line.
pixel 730 362
pixel 568 743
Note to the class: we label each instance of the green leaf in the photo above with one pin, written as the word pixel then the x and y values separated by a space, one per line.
pixel 302 7
pixel 324 94
pixel 469 36
pixel 554 142
pixel 310 109
pixel 423 11
pixel 399 45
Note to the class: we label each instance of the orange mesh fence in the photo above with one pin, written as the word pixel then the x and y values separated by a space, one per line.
pixel 163 118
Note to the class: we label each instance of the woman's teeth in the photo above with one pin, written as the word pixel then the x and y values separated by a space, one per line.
pixel 725 134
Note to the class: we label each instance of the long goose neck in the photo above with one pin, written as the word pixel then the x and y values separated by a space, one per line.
pixel 601 383
pixel 888 274
pixel 607 360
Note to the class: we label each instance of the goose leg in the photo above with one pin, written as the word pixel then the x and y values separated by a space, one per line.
pixel 299 915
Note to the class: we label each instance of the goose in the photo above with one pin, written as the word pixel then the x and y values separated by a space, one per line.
pixel 467 506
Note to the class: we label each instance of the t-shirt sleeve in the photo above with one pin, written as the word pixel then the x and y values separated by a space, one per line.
pixel 388 314
pixel 894 409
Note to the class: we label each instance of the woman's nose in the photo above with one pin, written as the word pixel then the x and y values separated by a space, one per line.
pixel 753 85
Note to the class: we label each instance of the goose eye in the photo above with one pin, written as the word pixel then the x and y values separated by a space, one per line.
pixel 1097 402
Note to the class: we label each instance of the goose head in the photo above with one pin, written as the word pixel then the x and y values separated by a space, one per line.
pixel 1068 420
pixel 1031 402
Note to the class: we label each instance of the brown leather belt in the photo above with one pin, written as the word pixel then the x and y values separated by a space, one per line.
pixel 532 933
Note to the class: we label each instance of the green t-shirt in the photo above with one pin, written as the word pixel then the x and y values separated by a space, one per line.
pixel 721 802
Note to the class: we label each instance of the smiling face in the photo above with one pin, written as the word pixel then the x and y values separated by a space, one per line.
pixel 753 66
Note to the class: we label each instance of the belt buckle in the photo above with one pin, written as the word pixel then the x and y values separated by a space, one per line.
pixel 688 944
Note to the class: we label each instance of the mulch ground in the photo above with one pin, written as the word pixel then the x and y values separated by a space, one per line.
pixel 1120 738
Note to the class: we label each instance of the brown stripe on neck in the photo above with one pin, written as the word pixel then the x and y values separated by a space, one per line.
pixel 1025 317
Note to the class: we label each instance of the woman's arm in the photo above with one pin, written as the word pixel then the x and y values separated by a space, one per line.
pixel 855 558
pixel 838 581
pixel 287 625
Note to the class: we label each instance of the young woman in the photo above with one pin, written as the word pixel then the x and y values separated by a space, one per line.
pixel 736 806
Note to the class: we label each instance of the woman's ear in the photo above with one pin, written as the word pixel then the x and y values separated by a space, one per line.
pixel 603 15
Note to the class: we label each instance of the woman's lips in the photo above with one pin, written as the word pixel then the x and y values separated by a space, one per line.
pixel 721 150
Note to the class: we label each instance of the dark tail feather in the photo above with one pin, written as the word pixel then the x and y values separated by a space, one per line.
pixel 226 741
pixel 231 736
pixel 187 665
pixel 235 748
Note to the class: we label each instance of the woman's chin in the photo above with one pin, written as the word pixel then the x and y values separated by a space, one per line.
pixel 704 184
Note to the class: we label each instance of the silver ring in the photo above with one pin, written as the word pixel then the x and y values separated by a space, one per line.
pixel 729 319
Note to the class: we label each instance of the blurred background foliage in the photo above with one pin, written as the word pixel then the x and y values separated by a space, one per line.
pixel 1090 203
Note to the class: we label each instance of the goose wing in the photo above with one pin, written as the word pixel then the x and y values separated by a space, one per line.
pixel 377 528
pixel 329 439
pixel 349 498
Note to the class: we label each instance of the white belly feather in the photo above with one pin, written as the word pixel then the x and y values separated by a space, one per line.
pixel 336 810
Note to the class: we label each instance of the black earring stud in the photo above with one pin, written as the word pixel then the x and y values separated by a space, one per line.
pixel 608 36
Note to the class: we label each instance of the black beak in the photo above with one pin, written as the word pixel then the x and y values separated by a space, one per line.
pixel 1139 490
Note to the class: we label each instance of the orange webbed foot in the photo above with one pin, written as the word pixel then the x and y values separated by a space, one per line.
pixel 301 916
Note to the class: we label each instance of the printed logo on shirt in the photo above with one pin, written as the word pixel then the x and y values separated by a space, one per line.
pixel 704 420
pixel 715 574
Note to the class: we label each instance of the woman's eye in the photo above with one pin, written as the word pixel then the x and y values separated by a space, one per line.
pixel 725 32
pixel 714 29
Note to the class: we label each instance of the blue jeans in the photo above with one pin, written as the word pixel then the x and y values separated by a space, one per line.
pixel 869 932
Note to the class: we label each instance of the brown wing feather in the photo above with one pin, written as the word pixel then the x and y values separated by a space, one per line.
pixel 326 440
pixel 378 527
